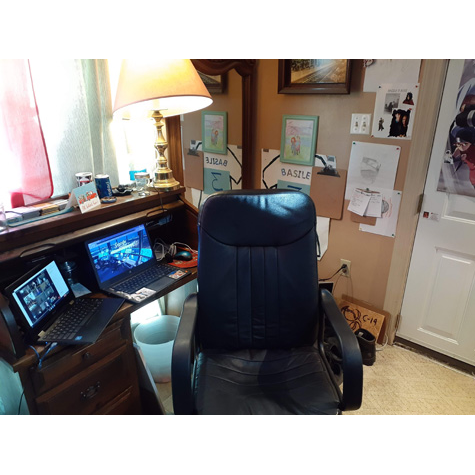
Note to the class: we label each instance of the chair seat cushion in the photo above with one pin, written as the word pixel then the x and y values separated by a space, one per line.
pixel 263 382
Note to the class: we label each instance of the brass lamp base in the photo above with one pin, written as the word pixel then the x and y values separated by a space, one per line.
pixel 163 179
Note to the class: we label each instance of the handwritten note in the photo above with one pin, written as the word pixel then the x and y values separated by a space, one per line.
pixel 359 202
pixel 374 205
pixel 366 203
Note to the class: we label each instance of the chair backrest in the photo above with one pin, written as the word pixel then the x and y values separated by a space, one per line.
pixel 257 270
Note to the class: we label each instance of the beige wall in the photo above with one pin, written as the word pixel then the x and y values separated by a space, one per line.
pixel 229 102
pixel 370 254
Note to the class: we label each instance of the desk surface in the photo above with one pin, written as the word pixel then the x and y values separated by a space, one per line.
pixel 21 245
pixel 125 310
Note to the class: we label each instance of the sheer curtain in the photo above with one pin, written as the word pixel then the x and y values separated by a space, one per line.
pixel 56 120
pixel 74 102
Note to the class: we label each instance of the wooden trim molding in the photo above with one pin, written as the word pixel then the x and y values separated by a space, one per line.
pixel 430 97
pixel 174 153
pixel 246 68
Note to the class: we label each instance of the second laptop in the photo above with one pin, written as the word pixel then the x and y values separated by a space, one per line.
pixel 125 265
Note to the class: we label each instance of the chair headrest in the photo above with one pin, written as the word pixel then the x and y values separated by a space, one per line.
pixel 257 217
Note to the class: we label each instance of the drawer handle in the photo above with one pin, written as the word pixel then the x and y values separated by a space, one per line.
pixel 91 391
pixel 87 355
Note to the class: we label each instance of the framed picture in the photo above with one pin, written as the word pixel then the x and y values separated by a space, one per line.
pixel 314 76
pixel 214 127
pixel 299 138
pixel 214 84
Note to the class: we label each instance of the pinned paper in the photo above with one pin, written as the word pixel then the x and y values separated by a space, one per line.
pixel 289 175
pixel 372 166
pixel 374 205
pixel 386 225
pixel 220 172
pixel 227 168
pixel 380 71
pixel 359 202
pixel 394 111
pixel 366 203
pixel 215 180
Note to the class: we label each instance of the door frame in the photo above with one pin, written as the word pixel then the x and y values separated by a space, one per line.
pixel 430 97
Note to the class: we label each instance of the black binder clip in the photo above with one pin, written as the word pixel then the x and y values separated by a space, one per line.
pixel 327 170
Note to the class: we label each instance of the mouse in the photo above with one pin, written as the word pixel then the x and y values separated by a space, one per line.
pixel 183 256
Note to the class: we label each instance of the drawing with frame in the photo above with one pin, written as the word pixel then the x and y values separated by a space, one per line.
pixel 214 126
pixel 299 139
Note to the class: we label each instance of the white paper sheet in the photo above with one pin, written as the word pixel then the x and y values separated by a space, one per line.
pixel 359 202
pixel 374 208
pixel 386 225
pixel 391 70
pixel 273 171
pixel 366 203
pixel 394 111
pixel 323 230
pixel 372 166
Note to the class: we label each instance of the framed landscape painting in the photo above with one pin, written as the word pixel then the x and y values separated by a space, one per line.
pixel 314 76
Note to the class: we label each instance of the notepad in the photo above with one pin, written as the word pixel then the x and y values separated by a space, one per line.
pixel 366 203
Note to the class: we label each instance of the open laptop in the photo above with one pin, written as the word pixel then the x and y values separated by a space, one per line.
pixel 125 265
pixel 45 307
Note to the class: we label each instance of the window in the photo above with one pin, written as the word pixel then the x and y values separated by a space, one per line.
pixel 69 107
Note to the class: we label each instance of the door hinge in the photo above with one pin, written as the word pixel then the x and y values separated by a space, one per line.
pixel 419 204
pixel 398 321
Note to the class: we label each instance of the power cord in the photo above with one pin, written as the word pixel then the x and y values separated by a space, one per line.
pixel 48 348
pixel 343 267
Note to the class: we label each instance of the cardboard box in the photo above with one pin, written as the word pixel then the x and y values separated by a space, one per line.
pixel 360 314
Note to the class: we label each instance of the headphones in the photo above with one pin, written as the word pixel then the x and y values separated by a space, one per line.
pixel 163 251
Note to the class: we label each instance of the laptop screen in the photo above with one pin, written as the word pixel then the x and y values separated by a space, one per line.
pixel 118 253
pixel 41 294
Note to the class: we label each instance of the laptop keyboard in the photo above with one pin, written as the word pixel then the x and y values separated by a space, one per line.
pixel 141 280
pixel 73 319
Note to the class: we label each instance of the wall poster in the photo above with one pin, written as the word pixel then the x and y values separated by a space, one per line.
pixel 457 174
pixel 394 111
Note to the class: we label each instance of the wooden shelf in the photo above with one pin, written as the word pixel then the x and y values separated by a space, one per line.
pixel 60 231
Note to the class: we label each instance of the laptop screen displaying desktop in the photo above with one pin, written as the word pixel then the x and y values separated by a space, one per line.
pixel 117 254
pixel 41 294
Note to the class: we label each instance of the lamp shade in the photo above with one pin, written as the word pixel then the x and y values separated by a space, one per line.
pixel 171 86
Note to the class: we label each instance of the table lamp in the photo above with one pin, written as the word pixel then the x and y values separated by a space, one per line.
pixel 158 88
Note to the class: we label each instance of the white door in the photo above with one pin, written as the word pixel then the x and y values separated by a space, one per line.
pixel 438 309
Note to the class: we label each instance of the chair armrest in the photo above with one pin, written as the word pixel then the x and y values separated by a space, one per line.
pixel 183 356
pixel 351 353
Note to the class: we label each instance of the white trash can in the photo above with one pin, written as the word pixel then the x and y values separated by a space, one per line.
pixel 155 338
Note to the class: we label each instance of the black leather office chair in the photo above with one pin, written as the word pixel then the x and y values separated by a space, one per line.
pixel 251 340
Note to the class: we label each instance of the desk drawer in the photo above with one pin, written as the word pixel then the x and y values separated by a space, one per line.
pixel 90 390
pixel 75 359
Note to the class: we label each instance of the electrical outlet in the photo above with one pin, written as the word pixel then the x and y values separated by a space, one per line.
pixel 345 272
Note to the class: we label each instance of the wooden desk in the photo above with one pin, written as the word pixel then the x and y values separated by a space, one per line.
pixel 88 379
